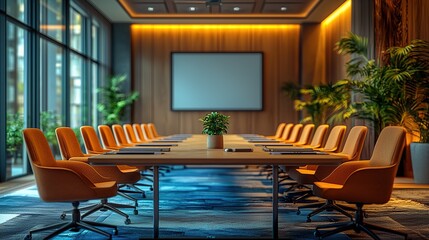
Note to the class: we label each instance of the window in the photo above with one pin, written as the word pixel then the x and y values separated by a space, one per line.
pixel 17 9
pixel 94 40
pixel 16 69
pixel 76 30
pixel 51 19
pixel 51 90
pixel 76 84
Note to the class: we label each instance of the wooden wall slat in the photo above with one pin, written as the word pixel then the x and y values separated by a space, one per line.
pixel 151 58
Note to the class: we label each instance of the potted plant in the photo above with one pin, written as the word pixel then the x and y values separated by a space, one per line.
pixel 113 100
pixel 14 140
pixel 215 125
pixel 393 90
pixel 326 103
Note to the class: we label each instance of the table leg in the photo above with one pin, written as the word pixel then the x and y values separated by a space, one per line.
pixel 275 202
pixel 155 202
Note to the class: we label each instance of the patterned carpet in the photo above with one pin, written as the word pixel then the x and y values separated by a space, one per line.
pixel 206 203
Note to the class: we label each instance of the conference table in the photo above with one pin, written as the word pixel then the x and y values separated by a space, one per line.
pixel 193 151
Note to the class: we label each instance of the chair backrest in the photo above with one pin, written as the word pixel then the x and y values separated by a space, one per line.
pixel 319 136
pixel 355 142
pixel 107 137
pixel 147 132
pixel 153 130
pixel 306 134
pixel 68 143
pixel 335 138
pixel 91 141
pixel 130 134
pixel 286 131
pixel 280 129
pixel 389 146
pixel 119 134
pixel 296 131
pixel 139 133
pixel 38 149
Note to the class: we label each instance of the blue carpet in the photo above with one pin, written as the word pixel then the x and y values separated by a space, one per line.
pixel 200 203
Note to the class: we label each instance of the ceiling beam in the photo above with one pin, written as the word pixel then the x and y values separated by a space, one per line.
pixel 171 7
pixel 257 7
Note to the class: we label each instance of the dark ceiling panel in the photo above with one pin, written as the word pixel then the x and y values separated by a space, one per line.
pixel 235 8
pixel 170 8
pixel 150 8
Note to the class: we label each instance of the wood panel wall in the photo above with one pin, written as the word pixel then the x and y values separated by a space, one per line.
pixel 151 49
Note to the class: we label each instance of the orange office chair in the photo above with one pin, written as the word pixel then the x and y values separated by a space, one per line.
pixel 70 150
pixel 316 142
pixel 130 134
pixel 139 133
pixel 286 132
pixel 65 181
pixel 279 131
pixel 147 133
pixel 120 137
pixel 294 135
pixel 364 182
pixel 333 144
pixel 335 138
pixel 313 173
pixel 318 137
pixel 109 142
pixel 153 131
pixel 307 131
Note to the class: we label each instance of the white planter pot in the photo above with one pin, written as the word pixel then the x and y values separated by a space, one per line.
pixel 214 141
pixel 420 162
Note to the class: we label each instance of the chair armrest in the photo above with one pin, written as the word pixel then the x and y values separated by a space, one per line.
pixel 63 184
pixel 84 170
pixel 370 184
pixel 343 171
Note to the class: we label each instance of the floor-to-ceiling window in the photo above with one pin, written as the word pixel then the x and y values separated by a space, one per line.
pixel 51 66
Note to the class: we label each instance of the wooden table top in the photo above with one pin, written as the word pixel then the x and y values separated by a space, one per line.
pixel 193 151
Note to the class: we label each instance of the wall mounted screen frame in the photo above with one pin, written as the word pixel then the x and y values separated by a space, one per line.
pixel 217 81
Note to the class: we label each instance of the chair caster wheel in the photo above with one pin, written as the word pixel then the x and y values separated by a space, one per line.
pixel 308 219
pixel 365 214
pixel 127 221
pixel 115 232
pixel 28 237
pixel 63 216
pixel 136 212
pixel 298 212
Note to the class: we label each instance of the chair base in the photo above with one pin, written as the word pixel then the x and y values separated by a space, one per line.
pixel 105 205
pixel 357 225
pixel 329 205
pixel 76 224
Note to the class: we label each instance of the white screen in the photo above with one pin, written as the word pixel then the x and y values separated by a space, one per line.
pixel 216 81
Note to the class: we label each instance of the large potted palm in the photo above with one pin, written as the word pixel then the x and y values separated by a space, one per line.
pixel 393 90
pixel 215 125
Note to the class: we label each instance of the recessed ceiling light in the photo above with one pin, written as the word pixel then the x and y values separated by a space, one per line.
pixel 150 9
pixel 192 9
pixel 283 9
pixel 236 9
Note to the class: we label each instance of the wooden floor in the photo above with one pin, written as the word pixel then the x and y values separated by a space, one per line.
pixel 199 202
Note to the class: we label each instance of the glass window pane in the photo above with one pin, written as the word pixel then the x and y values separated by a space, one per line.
pixel 94 40
pixel 18 9
pixel 76 30
pixel 16 78
pixel 76 84
pixel 51 18
pixel 51 102
pixel 94 98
